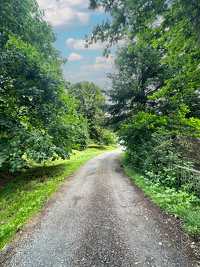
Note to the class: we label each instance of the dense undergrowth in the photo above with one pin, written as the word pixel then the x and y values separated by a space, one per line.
pixel 24 196
pixel 177 202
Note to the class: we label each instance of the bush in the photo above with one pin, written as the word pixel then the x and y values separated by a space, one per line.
pixel 96 134
pixel 152 141
pixel 99 135
pixel 109 138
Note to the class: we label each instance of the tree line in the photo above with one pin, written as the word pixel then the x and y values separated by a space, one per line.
pixel 41 115
pixel 154 93
pixel 154 97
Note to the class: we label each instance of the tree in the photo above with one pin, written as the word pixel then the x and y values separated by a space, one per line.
pixel 37 116
pixel 173 24
pixel 91 105
pixel 152 141
pixel 91 101
pixel 167 105
pixel 138 74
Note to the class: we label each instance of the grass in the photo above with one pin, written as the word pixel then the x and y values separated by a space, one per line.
pixel 25 195
pixel 181 204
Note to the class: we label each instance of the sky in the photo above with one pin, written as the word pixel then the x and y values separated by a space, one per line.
pixel 71 20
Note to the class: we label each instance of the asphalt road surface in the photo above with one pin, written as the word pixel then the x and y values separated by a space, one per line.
pixel 97 218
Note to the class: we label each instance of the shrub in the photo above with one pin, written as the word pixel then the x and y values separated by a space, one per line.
pixel 109 138
pixel 152 141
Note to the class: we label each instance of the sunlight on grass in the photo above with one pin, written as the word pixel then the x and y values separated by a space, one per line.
pixel 25 195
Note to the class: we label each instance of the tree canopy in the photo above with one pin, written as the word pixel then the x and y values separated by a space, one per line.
pixel 91 101
pixel 91 105
pixel 138 73
pixel 173 24
pixel 37 116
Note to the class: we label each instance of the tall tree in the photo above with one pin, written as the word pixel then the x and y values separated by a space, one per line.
pixel 174 24
pixel 138 74
pixel 37 117
pixel 91 101
pixel 91 105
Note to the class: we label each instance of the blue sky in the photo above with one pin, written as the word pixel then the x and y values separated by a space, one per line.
pixel 71 20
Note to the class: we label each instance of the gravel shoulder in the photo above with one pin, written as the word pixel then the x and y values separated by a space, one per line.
pixel 98 217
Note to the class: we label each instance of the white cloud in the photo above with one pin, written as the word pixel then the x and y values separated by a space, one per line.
pixel 79 44
pixel 66 14
pixel 70 42
pixel 74 57
pixel 96 67
pixel 96 77
pixel 69 75
pixel 108 60
pixel 101 65
pixel 120 43
pixel 99 60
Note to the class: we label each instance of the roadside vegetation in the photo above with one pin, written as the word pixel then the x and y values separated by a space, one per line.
pixel 42 115
pixel 24 196
pixel 155 96
pixel 43 118
pixel 182 205
pixel 152 142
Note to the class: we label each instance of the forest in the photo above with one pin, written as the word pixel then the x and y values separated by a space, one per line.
pixel 153 104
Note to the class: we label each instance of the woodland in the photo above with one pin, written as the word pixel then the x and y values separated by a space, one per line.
pixel 42 115
pixel 153 104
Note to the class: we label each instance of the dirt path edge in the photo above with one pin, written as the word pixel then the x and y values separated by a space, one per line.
pixel 169 226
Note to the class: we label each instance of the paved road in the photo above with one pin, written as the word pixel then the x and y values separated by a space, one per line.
pixel 98 220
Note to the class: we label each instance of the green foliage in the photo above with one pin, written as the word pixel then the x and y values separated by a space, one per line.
pixel 152 141
pixel 91 105
pixel 179 203
pixel 109 138
pixel 173 24
pixel 25 195
pixel 104 136
pixel 37 117
pixel 91 102
pixel 96 133
pixel 138 74
pixel 168 105
pixel 82 135
pixel 180 36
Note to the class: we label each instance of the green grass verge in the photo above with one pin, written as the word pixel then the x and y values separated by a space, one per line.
pixel 25 195
pixel 181 204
